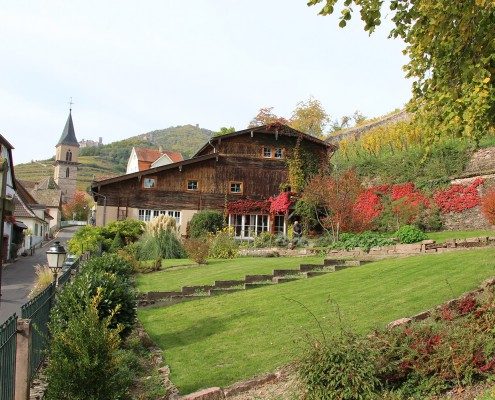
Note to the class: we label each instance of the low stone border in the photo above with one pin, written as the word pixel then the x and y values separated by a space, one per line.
pixel 424 247
pixel 218 393
pixel 488 283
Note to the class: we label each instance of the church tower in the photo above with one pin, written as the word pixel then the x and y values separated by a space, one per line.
pixel 67 151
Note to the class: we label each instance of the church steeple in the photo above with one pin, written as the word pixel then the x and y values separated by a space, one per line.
pixel 67 151
pixel 68 135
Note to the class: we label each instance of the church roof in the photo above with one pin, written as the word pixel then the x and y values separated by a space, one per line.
pixel 68 135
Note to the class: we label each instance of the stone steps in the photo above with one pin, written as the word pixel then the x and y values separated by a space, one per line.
pixel 254 281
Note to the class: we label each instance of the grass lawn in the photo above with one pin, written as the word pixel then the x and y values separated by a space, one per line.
pixel 169 280
pixel 220 340
pixel 442 236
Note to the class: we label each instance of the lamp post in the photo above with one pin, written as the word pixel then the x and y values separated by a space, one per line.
pixel 56 256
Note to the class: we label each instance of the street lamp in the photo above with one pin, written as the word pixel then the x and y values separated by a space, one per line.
pixel 56 257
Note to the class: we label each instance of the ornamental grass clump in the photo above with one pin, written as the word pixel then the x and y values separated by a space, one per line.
pixel 344 368
pixel 44 276
pixel 160 241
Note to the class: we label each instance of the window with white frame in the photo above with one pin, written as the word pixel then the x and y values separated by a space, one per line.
pixel 148 215
pixel 249 225
pixel 192 184
pixel 278 153
pixel 279 223
pixel 149 183
pixel 267 152
pixel 236 187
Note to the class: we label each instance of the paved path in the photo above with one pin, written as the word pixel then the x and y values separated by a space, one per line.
pixel 19 277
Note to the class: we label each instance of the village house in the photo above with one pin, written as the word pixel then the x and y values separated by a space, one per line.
pixel 12 230
pixel 35 217
pixel 246 165
pixel 143 158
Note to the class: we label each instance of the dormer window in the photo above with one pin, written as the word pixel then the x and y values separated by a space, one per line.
pixel 267 152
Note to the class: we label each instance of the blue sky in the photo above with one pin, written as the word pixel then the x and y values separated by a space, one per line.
pixel 136 66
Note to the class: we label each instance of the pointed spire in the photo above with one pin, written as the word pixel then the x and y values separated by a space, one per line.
pixel 68 135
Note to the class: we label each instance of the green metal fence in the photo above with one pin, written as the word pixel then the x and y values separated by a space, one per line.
pixel 38 311
pixel 8 342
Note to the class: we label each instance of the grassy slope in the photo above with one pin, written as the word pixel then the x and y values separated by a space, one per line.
pixel 218 270
pixel 220 340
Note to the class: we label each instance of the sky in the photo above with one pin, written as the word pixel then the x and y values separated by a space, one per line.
pixel 136 66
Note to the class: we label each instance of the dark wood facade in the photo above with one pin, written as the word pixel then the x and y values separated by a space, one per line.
pixel 239 160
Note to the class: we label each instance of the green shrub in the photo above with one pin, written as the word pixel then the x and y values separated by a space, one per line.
pixel 118 299
pixel 365 241
pixel 108 262
pixel 117 243
pixel 343 369
pixel 129 229
pixel 88 238
pixel 197 250
pixel 84 361
pixel 223 245
pixel 324 240
pixel 429 219
pixel 281 240
pixel 206 221
pixel 264 239
pixel 410 234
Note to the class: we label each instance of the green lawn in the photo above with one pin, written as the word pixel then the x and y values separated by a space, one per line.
pixel 169 280
pixel 442 236
pixel 219 340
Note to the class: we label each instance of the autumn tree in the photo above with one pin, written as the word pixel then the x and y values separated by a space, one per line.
pixel 266 116
pixel 333 199
pixel 78 208
pixel 310 117
pixel 451 50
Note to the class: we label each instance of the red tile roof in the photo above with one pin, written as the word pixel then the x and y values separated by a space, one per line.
pixel 151 155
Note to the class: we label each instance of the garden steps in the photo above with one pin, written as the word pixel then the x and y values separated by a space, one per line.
pixel 253 281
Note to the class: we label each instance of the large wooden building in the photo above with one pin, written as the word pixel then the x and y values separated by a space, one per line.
pixel 248 164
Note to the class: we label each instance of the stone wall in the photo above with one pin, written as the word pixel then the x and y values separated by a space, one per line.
pixel 469 219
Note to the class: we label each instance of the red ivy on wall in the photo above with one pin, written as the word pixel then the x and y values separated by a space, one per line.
pixel 458 198
pixel 280 204
pixel 248 206
pixel 274 205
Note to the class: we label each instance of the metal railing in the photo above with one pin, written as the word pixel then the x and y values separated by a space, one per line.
pixel 38 311
pixel 8 331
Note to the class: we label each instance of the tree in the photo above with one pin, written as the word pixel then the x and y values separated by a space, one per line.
pixel 333 199
pixel 266 116
pixel 452 59
pixel 78 208
pixel 309 117
pixel 224 131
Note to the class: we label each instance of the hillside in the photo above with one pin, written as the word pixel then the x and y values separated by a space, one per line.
pixel 111 159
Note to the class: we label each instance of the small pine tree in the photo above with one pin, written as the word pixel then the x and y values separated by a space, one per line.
pixel 117 243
